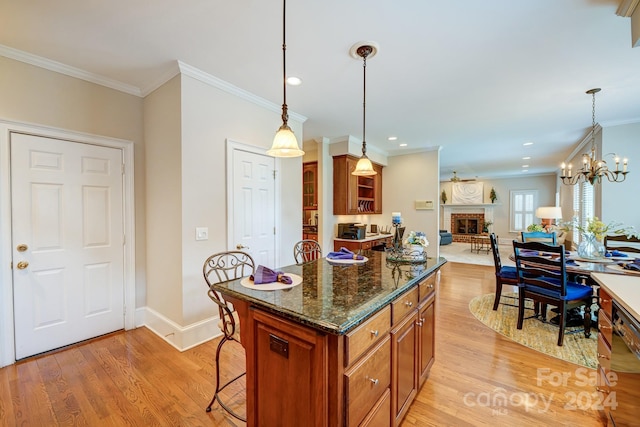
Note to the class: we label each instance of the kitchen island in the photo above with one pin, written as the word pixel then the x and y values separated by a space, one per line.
pixel 350 345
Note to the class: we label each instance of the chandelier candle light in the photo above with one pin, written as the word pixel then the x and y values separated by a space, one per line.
pixel 594 169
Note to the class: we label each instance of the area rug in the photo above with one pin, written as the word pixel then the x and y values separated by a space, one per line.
pixel 539 336
pixel 461 252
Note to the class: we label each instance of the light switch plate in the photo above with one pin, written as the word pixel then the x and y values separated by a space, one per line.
pixel 202 233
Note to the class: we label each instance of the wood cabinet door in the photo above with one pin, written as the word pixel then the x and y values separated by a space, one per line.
pixel 404 375
pixel 289 368
pixel 426 341
pixel 310 185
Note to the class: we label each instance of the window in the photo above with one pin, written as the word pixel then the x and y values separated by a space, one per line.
pixel 523 205
pixel 583 206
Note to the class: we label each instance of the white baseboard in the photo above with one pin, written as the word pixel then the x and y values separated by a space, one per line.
pixel 180 337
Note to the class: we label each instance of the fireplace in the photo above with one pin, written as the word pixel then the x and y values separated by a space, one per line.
pixel 465 225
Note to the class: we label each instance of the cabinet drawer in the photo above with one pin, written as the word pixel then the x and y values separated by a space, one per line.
pixel 605 302
pixel 604 354
pixel 403 305
pixel 367 244
pixel 604 326
pixel 365 335
pixel 367 382
pixel 381 412
pixel 427 287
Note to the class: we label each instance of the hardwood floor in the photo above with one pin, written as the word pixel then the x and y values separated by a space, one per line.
pixel 135 378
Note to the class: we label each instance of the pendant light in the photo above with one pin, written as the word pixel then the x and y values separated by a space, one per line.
pixel 364 166
pixel 285 143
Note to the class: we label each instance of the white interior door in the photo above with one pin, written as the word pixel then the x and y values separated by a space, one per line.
pixel 253 201
pixel 67 237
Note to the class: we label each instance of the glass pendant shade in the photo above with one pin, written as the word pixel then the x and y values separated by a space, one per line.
pixel 364 167
pixel 285 144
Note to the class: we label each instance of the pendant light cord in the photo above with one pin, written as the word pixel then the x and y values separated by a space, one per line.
pixel 285 115
pixel 364 103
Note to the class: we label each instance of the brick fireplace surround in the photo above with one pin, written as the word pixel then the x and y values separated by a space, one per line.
pixel 480 212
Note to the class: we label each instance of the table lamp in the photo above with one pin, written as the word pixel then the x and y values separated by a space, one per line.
pixel 548 214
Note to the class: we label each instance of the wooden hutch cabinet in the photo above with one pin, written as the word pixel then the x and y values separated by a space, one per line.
pixel 310 185
pixel 355 194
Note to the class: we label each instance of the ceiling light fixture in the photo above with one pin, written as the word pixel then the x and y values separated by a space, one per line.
pixel 593 169
pixel 285 143
pixel 364 166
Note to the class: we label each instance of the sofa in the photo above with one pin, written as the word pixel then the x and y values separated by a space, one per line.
pixel 445 237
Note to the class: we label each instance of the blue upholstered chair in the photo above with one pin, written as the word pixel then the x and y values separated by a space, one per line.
pixel 539 236
pixel 445 237
pixel 505 275
pixel 542 276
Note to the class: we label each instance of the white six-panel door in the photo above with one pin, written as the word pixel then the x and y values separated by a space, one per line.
pixel 67 238
pixel 254 205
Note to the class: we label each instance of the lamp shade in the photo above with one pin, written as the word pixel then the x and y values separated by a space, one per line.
pixel 285 144
pixel 364 167
pixel 549 212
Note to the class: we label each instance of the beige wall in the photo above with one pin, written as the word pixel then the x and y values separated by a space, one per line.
pixel 35 95
pixel 545 184
pixel 409 178
pixel 162 124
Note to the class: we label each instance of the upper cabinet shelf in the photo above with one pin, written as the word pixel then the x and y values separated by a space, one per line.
pixel 353 195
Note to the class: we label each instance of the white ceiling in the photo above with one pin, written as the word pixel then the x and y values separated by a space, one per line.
pixel 478 78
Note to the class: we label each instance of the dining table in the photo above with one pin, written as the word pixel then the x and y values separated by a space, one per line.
pixel 582 266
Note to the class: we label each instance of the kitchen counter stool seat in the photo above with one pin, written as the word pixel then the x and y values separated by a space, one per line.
pixel 222 267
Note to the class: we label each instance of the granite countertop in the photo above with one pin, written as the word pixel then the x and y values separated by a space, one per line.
pixel 367 238
pixel 623 288
pixel 336 298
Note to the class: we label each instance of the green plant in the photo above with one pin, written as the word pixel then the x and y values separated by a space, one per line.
pixel 493 196
pixel 535 227
pixel 599 229
pixel 443 197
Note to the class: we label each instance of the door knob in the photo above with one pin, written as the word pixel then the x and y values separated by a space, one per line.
pixel 22 247
pixel 22 265
pixel 241 246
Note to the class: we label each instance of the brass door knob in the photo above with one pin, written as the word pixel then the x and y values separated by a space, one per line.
pixel 241 246
pixel 22 265
pixel 22 247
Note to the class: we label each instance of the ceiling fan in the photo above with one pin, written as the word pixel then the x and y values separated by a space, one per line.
pixel 456 178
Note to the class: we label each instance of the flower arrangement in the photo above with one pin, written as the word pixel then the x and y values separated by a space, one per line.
pixel 485 225
pixel 443 197
pixel 417 238
pixel 535 227
pixel 599 229
pixel 493 196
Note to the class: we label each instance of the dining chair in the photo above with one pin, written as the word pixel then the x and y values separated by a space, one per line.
pixel 222 267
pixel 542 276
pixel 539 236
pixel 505 275
pixel 306 250
pixel 622 243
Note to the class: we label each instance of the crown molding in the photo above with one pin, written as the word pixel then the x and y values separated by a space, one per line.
pixel 68 70
pixel 204 77
pixel 627 7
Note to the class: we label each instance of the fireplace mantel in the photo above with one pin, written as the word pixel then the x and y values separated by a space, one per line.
pixel 481 208
pixel 468 205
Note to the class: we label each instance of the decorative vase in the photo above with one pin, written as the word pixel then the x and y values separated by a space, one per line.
pixel 416 249
pixel 590 247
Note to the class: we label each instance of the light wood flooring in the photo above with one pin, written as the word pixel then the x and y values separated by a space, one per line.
pixel 135 378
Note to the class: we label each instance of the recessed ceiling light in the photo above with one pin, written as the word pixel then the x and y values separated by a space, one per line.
pixel 294 81
pixel 527 143
pixel 526 158
pixel 404 144
pixel 525 170
pixel 525 166
pixel 392 138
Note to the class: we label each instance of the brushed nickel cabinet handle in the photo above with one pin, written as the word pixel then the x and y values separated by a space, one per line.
pixel 408 304
pixel 375 333
pixel 374 381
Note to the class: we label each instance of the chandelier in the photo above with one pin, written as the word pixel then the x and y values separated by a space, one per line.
pixel 594 169
pixel 364 166
pixel 285 143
